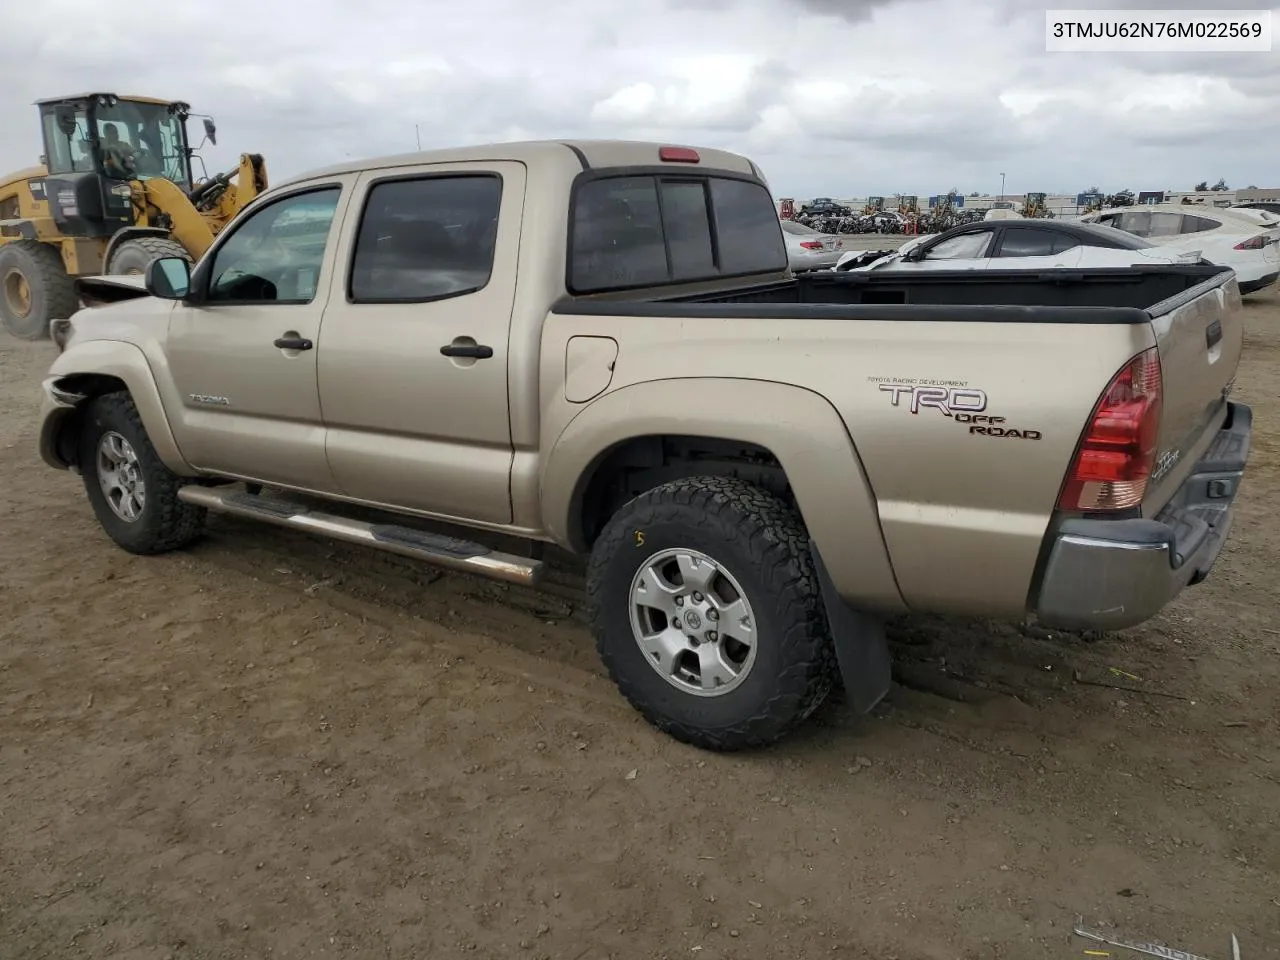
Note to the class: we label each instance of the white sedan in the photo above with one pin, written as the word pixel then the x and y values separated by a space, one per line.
pixel 807 249
pixel 1244 239
pixel 1018 245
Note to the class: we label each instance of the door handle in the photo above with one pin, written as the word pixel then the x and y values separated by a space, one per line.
pixel 294 343
pixel 475 351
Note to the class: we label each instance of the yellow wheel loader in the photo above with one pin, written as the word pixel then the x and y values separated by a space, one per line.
pixel 1033 206
pixel 114 191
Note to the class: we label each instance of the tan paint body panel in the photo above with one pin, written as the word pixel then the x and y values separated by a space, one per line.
pixel 909 510
pixel 396 415
pixel 798 425
pixel 129 363
pixel 945 504
pixel 271 421
pixel 1200 374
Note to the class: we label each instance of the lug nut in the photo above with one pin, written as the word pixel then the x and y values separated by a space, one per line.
pixel 713 614
pixel 712 636
pixel 679 601
pixel 697 597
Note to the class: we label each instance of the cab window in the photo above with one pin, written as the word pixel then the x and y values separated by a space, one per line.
pixel 426 238
pixel 967 246
pixel 276 254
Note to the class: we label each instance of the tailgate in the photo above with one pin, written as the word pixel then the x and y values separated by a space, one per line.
pixel 1200 342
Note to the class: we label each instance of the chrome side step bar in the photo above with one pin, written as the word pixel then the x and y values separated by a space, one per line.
pixel 442 550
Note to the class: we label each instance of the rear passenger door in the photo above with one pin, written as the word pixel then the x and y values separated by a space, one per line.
pixel 413 364
pixel 1033 248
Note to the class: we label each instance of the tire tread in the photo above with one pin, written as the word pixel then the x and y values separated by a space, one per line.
pixel 774 535
pixel 157 247
pixel 178 523
pixel 45 266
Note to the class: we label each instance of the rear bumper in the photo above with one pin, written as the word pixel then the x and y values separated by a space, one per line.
pixel 1112 574
pixel 1253 286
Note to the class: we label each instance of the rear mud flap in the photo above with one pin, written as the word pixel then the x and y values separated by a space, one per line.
pixel 862 651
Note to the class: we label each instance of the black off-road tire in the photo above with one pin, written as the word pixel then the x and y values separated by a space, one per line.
pixel 52 291
pixel 165 523
pixel 132 256
pixel 762 542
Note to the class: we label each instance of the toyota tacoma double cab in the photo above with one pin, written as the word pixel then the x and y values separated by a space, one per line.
pixel 598 346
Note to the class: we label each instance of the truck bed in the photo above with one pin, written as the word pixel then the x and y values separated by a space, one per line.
pixel 1112 295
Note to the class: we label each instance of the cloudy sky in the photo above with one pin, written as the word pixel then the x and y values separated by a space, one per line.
pixel 831 97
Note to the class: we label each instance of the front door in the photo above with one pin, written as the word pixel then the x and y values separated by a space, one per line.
pixel 966 251
pixel 243 362
pixel 413 374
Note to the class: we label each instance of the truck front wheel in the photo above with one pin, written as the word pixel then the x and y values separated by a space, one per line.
pixel 133 494
pixel 708 615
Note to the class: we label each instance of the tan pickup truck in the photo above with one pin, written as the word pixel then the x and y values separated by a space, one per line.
pixel 597 345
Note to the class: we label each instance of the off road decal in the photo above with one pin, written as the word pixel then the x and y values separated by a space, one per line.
pixel 964 404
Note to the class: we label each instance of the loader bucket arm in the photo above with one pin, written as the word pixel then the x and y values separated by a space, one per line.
pixel 189 228
pixel 252 179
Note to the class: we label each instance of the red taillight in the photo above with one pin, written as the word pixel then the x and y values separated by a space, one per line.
pixel 811 244
pixel 1115 457
pixel 678 155
pixel 1253 243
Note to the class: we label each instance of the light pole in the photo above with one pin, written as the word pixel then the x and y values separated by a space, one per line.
pixel 1002 186
pixel 418 133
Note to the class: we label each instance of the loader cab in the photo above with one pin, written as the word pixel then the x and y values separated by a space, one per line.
pixel 95 144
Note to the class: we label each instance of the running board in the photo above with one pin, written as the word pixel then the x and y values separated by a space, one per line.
pixel 441 550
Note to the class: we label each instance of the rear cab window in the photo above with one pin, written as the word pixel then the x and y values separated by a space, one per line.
pixel 635 230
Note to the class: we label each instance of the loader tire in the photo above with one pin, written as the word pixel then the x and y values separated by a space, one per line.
pixel 133 494
pixel 132 256
pixel 705 604
pixel 34 288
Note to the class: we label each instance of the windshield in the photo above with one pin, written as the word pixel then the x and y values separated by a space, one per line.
pixel 138 141
pixel 153 135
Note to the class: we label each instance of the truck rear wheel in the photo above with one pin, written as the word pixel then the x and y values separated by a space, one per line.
pixel 708 614
pixel 34 288
pixel 132 256
pixel 133 494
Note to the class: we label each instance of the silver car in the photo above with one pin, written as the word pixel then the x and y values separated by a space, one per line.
pixel 807 249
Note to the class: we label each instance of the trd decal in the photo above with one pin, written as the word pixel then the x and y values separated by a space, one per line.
pixel 955 399
pixel 950 400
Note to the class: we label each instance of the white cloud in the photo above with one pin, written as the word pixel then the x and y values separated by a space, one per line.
pixel 836 97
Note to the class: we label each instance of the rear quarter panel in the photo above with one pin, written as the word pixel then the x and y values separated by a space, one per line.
pixel 963 514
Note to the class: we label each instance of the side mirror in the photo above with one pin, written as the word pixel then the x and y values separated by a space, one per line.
pixel 168 278
pixel 210 130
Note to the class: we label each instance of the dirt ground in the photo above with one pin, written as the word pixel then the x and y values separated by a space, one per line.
pixel 272 746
